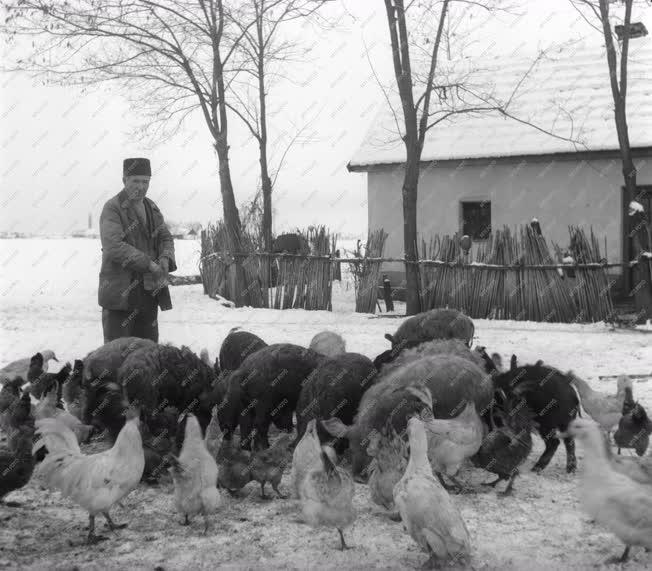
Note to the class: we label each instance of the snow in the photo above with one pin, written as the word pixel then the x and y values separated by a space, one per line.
pixel 566 92
pixel 49 301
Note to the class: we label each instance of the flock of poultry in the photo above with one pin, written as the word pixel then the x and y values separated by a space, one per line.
pixel 43 431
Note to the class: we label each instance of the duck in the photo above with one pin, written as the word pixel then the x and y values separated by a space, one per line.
pixel 605 409
pixel 613 499
pixel 427 511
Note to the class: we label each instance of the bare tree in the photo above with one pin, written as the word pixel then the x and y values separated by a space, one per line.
pixel 262 50
pixel 641 231
pixel 174 56
pixel 455 95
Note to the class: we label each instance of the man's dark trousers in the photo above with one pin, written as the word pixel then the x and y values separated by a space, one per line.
pixel 139 322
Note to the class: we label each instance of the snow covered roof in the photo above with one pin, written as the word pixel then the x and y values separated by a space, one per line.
pixel 566 92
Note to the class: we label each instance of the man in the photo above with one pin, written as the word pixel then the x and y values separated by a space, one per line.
pixel 137 254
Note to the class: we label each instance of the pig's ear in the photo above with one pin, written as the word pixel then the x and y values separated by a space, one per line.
pixel 390 338
pixel 336 427
pixel 513 363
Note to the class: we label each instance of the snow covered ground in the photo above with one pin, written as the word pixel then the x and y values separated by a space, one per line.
pixel 48 300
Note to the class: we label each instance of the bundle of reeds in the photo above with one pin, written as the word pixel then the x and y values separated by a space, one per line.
pixel 318 271
pixel 508 276
pixel 304 281
pixel 366 272
pixel 546 297
pixel 590 289
pixel 222 255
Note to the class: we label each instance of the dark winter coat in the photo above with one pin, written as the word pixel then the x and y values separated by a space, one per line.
pixel 127 250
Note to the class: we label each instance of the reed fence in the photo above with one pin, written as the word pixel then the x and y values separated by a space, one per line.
pixel 366 271
pixel 512 275
pixel 276 281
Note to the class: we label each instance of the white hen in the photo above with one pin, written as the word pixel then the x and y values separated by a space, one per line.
pixel 96 481
pixel 427 511
pixel 195 476
pixel 615 500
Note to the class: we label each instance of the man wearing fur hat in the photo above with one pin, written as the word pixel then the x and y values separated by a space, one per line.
pixel 137 254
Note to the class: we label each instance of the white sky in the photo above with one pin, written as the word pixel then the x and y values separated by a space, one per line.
pixel 61 150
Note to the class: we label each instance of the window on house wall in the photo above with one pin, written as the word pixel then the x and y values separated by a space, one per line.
pixel 476 219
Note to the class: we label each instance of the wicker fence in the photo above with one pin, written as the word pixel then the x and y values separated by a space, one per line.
pixel 514 276
pixel 277 281
pixel 510 276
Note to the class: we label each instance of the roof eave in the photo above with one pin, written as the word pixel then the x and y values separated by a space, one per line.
pixel 637 152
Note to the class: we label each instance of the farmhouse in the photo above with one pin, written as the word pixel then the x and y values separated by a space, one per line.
pixel 553 156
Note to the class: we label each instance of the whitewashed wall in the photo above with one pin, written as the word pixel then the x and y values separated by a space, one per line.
pixel 558 193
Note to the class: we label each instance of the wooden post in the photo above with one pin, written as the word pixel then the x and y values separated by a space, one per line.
pixel 387 293
pixel 337 275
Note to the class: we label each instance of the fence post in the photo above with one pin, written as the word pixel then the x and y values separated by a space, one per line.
pixel 387 293
pixel 337 274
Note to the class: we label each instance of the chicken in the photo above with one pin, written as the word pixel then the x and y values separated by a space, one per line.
pixel 9 394
pixel 47 408
pixel 268 465
pixel 326 495
pixel 504 449
pixel 634 426
pixel 203 355
pixel 613 499
pixel 97 481
pixel 428 512
pixel 234 467
pixel 72 389
pixel 306 456
pixel 16 461
pixel 390 454
pixel 628 401
pixel 20 367
pixel 41 383
pixel 213 438
pixel 453 440
pixel 194 474
pixel 605 409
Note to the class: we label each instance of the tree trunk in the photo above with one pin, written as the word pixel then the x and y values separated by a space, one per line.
pixel 232 222
pixel 410 185
pixel 266 182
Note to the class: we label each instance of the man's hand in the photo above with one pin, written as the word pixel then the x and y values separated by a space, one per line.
pixel 159 273
pixel 165 264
